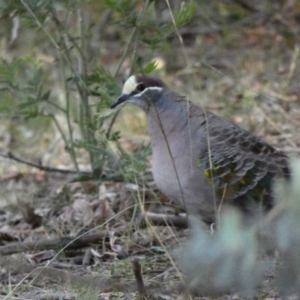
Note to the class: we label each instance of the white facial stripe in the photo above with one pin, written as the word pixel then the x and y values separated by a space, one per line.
pixel 129 85
pixel 152 88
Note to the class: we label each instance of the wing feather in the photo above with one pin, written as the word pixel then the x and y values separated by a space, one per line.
pixel 238 163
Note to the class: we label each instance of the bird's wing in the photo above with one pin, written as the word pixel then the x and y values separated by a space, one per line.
pixel 237 163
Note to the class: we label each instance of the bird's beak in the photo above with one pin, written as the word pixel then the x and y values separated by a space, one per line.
pixel 120 100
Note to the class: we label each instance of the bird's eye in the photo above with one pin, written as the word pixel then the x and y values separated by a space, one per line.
pixel 140 87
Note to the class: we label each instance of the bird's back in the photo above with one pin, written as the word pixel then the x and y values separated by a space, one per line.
pixel 239 165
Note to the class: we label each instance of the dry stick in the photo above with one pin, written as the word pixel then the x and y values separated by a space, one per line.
pixel 289 149
pixel 15 29
pixel 137 271
pixel 65 54
pixel 84 112
pixel 292 67
pixel 133 33
pixel 104 177
pixel 65 242
pixel 87 257
pixel 10 155
pixel 282 97
pixel 163 219
pixel 131 38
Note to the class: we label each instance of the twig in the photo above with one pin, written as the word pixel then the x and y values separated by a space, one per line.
pixel 131 38
pixel 89 175
pixel 293 67
pixel 87 257
pixel 85 111
pixel 289 149
pixel 117 71
pixel 269 93
pixel 137 271
pixel 185 54
pixel 163 219
pixel 65 242
pixel 15 29
pixel 10 155
pixel 68 118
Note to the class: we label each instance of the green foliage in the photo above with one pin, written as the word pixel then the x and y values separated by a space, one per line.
pixel 120 6
pixel 150 67
pixel 101 83
pixel 23 6
pixel 8 73
pixel 26 97
pixel 231 11
pixel 28 86
pixel 185 14
pixel 133 165
pixel 154 32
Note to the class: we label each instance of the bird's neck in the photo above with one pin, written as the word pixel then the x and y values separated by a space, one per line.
pixel 167 119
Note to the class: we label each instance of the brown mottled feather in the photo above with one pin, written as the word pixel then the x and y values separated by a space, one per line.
pixel 237 162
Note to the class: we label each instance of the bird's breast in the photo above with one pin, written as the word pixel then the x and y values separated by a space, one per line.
pixel 174 163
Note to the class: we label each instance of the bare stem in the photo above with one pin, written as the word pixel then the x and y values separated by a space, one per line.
pixel 125 53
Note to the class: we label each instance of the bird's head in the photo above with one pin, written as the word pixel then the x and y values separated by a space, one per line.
pixel 141 90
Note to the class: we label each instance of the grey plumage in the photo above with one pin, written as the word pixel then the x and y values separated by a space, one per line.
pixel 200 160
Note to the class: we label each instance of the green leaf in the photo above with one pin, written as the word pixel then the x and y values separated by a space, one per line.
pixel 185 14
pixel 151 66
pixel 120 5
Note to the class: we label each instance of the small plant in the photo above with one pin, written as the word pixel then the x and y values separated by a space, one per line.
pixel 72 93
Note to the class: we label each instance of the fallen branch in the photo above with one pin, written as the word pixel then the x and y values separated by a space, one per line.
pixel 81 176
pixel 10 155
pixel 137 271
pixel 163 219
pixel 68 243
